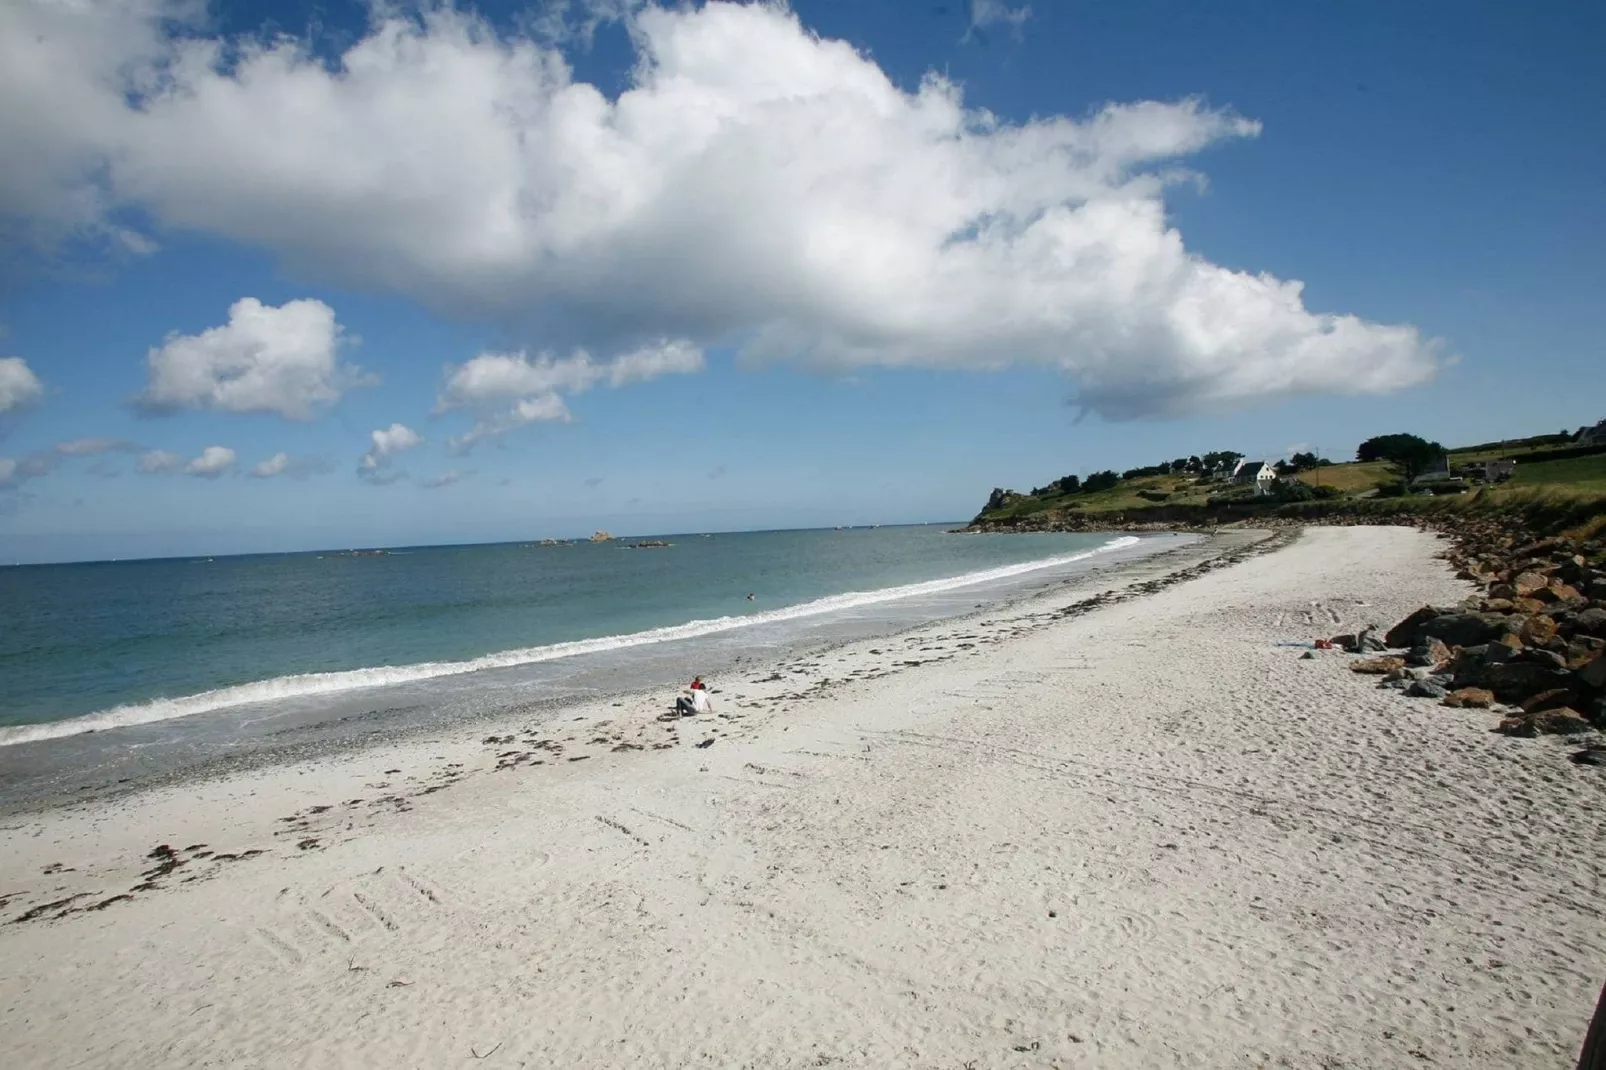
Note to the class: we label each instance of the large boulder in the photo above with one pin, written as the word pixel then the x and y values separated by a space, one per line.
pixel 1548 658
pixel 1554 699
pixel 1432 654
pixel 1404 634
pixel 1513 681
pixel 1526 583
pixel 1594 674
pixel 1560 722
pixel 1555 593
pixel 1463 629
pixel 1470 698
pixel 1379 666
pixel 1428 687
pixel 1591 621
pixel 1537 630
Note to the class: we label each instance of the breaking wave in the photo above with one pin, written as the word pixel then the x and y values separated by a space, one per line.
pixel 318 683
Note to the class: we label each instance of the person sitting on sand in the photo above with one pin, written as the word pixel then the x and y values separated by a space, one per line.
pixel 698 702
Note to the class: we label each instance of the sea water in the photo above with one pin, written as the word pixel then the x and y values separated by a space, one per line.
pixel 129 666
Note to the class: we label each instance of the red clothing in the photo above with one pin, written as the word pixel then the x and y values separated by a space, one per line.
pixel 698 685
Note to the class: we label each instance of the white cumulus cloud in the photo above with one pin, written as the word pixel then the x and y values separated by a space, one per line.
pixel 490 380
pixel 755 185
pixel 387 442
pixel 283 360
pixel 19 386
pixel 213 462
pixel 273 466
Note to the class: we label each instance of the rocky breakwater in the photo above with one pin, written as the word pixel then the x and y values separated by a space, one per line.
pixel 1533 643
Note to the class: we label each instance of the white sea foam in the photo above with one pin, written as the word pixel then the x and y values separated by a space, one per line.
pixel 318 683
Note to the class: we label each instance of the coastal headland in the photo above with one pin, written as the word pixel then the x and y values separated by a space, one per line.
pixel 1136 820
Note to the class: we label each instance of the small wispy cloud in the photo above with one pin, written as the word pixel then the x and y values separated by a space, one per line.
pixel 88 447
pixel 594 482
pixel 283 464
pixel 445 479
pixel 716 472
pixel 985 13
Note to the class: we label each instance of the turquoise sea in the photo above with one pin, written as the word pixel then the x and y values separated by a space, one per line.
pixel 220 649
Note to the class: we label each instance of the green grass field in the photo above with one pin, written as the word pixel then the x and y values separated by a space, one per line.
pixel 1353 478
pixel 1580 473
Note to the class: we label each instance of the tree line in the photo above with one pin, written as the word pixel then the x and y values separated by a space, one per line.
pixel 1217 462
pixel 1410 454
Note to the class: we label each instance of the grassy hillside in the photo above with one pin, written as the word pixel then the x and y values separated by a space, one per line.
pixel 1543 465
pixel 1128 494
pixel 1352 478
pixel 1578 473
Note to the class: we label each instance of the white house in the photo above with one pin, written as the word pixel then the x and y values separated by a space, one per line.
pixel 1258 474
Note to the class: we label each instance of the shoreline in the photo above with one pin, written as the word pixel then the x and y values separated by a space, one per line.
pixel 327 739
pixel 1130 828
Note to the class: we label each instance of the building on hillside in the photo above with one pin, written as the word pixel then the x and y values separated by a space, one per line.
pixel 1436 478
pixel 1257 474
pixel 1499 471
pixel 1592 436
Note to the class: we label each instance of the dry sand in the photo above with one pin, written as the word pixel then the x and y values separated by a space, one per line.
pixel 1142 836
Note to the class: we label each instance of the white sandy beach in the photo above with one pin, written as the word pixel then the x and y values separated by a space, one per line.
pixel 1142 836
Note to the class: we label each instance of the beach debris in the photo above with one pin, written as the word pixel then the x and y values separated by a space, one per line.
pixel 63 905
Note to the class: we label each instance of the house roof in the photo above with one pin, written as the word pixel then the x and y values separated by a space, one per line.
pixel 1249 468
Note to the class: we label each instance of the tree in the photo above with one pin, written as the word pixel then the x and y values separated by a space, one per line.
pixel 1409 453
pixel 1068 484
pixel 1100 481
pixel 1180 465
pixel 1221 459
pixel 1304 462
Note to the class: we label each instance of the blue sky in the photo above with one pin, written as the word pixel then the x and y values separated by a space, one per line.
pixel 777 283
